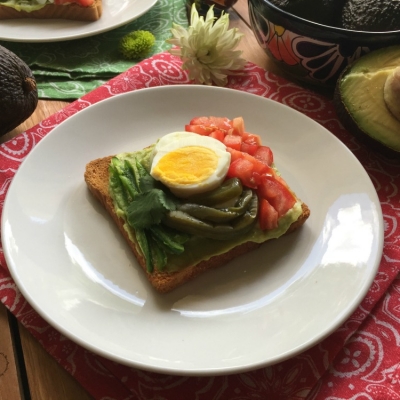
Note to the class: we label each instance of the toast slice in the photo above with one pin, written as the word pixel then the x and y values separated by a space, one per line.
pixel 97 179
pixel 70 11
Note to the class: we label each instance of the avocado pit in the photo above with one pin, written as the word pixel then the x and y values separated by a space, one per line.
pixel 391 93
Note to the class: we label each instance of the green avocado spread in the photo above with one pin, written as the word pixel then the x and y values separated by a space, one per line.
pixel 26 5
pixel 194 249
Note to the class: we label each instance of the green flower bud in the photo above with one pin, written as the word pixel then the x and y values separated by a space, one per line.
pixel 136 45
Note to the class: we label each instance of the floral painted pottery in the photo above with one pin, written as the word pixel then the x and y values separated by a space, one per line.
pixel 307 51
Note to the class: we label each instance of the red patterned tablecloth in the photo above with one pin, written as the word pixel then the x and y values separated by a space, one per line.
pixel 361 360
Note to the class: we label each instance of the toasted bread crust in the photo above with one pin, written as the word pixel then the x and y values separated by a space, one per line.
pixel 97 177
pixel 52 11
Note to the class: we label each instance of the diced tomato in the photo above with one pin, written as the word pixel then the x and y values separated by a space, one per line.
pixel 261 168
pixel 235 154
pixel 200 129
pixel 218 134
pixel 282 181
pixel 258 166
pixel 244 170
pixel 249 148
pixel 264 154
pixel 213 122
pixel 277 194
pixel 237 126
pixel 267 215
pixel 233 141
pixel 221 123
pixel 199 121
pixel 251 138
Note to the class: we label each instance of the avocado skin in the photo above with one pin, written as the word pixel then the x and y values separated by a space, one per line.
pixel 371 15
pixel 326 12
pixel 380 60
pixel 18 92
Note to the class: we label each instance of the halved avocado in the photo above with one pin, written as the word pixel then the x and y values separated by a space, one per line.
pixel 360 102
pixel 18 92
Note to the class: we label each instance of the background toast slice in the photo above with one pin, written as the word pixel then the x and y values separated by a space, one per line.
pixel 52 11
pixel 97 177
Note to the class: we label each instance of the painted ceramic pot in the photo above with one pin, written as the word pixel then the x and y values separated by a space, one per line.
pixel 307 51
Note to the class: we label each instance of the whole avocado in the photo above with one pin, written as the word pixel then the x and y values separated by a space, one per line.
pixel 371 15
pixel 18 91
pixel 326 12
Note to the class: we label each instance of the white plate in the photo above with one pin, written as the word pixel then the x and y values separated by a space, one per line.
pixel 73 266
pixel 115 13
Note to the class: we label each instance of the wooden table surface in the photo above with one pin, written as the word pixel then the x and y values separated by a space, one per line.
pixel 27 371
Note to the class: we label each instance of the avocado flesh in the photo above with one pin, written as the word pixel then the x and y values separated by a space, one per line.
pixel 23 5
pixel 360 98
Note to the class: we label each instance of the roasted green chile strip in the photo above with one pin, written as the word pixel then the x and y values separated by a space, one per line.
pixel 218 215
pixel 230 189
pixel 187 223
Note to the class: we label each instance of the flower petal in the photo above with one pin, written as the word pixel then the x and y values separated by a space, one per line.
pixel 207 47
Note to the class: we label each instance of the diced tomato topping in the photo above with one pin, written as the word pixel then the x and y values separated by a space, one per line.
pixel 250 162
pixel 258 166
pixel 261 168
pixel 251 138
pixel 235 154
pixel 233 141
pixel 199 129
pixel 264 154
pixel 244 170
pixel 247 168
pixel 199 121
pixel 277 194
pixel 249 148
pixel 218 134
pixel 213 122
pixel 282 181
pixel 268 216
pixel 237 126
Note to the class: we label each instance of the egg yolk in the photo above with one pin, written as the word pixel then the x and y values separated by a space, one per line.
pixel 187 165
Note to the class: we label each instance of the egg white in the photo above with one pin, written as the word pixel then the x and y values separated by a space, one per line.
pixel 177 141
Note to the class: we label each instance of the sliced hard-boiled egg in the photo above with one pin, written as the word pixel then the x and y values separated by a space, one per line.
pixel 188 163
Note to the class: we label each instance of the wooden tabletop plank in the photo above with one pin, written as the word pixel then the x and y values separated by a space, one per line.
pixel 44 109
pixel 10 387
pixel 242 8
pixel 47 379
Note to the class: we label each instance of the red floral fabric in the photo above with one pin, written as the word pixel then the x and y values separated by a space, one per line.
pixel 361 360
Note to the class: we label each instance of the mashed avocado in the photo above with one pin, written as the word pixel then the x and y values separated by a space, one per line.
pixel 26 5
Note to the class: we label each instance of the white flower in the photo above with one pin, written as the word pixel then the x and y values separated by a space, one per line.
pixel 207 47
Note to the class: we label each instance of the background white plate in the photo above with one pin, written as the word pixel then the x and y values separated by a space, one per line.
pixel 115 13
pixel 73 266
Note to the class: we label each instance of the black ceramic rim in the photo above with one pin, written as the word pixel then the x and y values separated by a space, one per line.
pixel 295 19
